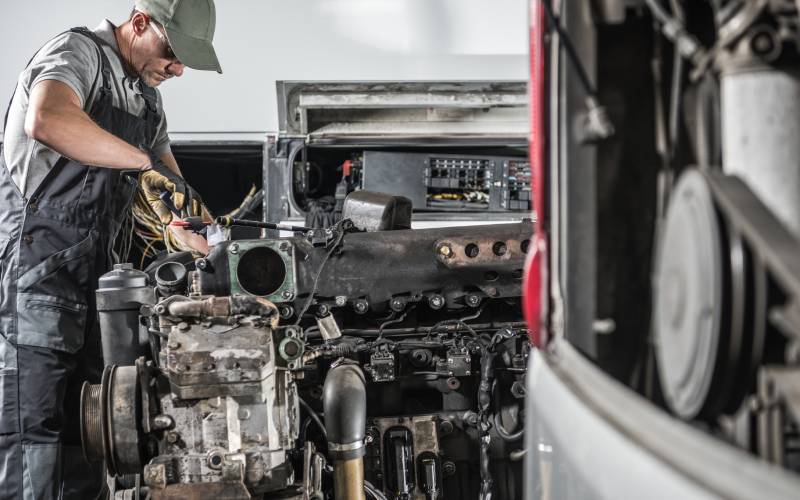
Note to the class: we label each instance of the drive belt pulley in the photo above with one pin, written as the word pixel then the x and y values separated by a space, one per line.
pixel 111 414
pixel 709 306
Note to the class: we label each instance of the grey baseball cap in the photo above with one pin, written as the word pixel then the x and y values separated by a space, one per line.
pixel 190 29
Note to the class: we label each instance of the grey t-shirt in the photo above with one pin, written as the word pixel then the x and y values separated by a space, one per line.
pixel 73 59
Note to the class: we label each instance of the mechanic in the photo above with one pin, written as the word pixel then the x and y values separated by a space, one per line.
pixel 84 121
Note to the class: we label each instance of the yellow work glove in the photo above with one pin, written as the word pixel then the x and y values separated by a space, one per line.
pixel 159 179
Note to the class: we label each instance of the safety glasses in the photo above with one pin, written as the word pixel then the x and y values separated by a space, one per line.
pixel 168 53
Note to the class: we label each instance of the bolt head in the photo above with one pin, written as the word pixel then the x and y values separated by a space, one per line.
pixel 234 249
pixel 162 421
pixel 361 306
pixel 762 43
pixel 446 251
pixel 286 294
pixel 445 427
pixel 172 437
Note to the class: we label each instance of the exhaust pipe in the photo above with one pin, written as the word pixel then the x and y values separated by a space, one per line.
pixel 344 400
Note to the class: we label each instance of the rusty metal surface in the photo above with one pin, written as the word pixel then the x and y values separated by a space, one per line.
pixel 202 491
pixel 212 306
pixel 233 409
pixel 481 250
pixel 203 363
pixel 124 416
pixel 402 263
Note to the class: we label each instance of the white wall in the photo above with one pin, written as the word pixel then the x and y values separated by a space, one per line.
pixel 260 41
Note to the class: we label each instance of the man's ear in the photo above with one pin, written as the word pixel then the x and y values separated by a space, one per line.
pixel 139 22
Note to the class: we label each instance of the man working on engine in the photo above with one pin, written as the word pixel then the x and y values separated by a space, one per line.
pixel 84 121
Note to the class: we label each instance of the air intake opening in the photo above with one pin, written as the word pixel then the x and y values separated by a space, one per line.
pixel 261 271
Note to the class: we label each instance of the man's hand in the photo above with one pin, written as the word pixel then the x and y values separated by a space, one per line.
pixel 159 179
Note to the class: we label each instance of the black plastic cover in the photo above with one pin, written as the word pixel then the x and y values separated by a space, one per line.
pixel 370 211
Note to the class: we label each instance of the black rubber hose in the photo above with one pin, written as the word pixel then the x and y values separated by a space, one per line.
pixel 373 491
pixel 503 433
pixel 572 54
pixel 344 401
pixel 313 416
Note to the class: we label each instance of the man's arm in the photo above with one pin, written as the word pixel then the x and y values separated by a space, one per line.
pixel 169 160
pixel 188 238
pixel 55 118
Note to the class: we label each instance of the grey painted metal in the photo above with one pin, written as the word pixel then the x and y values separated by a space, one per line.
pixel 590 437
pixel 760 127
pixel 577 190
pixel 688 296
pixel 120 295
pixel 420 108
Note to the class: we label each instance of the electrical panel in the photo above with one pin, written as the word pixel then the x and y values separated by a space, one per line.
pixel 450 182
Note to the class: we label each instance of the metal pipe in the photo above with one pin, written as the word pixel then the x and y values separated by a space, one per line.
pixel 224 306
pixel 344 401
pixel 348 479
pixel 227 221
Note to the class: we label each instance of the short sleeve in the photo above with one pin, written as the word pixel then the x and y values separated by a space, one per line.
pixel 70 58
pixel 160 144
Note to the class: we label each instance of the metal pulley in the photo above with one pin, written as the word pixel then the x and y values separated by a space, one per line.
pixel 709 306
pixel 111 415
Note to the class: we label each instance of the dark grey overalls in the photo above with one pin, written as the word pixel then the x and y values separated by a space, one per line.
pixel 53 248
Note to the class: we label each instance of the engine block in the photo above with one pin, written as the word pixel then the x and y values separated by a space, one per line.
pixel 222 409
pixel 336 364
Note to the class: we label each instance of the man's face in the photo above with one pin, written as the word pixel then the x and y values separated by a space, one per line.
pixel 152 57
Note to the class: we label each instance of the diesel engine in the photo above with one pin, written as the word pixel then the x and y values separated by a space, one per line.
pixel 365 360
